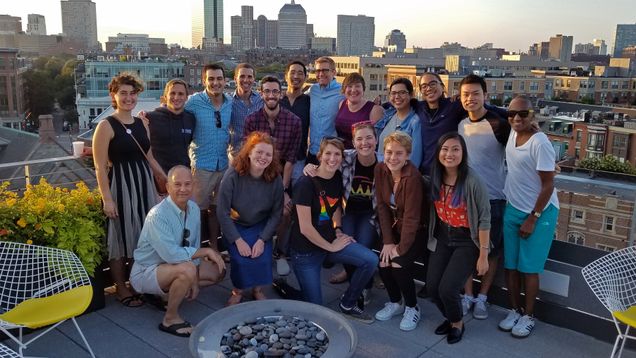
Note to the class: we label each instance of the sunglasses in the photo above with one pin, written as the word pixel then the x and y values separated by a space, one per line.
pixel 186 235
pixel 523 114
pixel 361 124
pixel 217 116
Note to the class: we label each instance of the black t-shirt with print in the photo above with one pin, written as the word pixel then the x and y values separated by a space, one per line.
pixel 306 194
pixel 360 196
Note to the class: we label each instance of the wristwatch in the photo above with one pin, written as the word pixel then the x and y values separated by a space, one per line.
pixel 536 214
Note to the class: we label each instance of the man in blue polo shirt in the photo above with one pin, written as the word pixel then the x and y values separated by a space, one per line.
pixel 212 110
pixel 325 97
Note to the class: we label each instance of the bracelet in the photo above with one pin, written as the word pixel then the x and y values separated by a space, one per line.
pixel 485 247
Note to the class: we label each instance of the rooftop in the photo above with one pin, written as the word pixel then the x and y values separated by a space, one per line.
pixel 117 331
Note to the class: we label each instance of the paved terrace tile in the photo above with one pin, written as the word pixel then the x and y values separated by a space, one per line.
pixel 118 331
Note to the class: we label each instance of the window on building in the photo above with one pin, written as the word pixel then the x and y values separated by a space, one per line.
pixel 579 134
pixel 373 77
pixel 605 247
pixel 568 83
pixel 577 153
pixel 373 87
pixel 534 86
pixel 575 237
pixel 578 216
pixel 609 223
pixel 522 85
pixel 604 84
pixel 620 144
pixel 508 86
pixel 493 86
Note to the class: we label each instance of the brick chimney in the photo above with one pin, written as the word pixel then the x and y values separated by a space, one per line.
pixel 47 132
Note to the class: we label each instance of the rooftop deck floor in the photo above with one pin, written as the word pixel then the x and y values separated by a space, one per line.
pixel 118 331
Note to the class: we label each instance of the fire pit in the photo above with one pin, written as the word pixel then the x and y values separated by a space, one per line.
pixel 205 341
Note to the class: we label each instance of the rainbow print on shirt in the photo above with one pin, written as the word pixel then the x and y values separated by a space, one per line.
pixel 324 216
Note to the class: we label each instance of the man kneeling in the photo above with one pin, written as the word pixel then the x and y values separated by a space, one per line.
pixel 167 256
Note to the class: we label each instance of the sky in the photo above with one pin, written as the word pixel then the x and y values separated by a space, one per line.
pixel 511 24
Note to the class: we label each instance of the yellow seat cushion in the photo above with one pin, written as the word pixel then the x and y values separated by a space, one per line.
pixel 628 316
pixel 40 312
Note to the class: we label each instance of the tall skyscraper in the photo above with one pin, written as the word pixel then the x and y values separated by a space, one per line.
pixel 79 21
pixel 625 36
pixel 356 35
pixel 207 21
pixel 292 26
pixel 561 47
pixel 395 38
pixel 266 32
pixel 247 27
pixel 600 48
pixel 36 25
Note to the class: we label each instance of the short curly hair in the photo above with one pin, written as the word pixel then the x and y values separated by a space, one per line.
pixel 124 78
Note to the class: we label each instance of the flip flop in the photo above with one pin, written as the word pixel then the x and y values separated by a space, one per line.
pixel 128 301
pixel 174 329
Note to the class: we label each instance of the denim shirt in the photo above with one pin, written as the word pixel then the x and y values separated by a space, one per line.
pixel 208 149
pixel 240 110
pixel 161 237
pixel 324 108
pixel 411 126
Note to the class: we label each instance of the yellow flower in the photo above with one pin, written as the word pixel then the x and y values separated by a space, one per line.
pixel 60 207
pixel 11 202
pixel 22 223
pixel 29 242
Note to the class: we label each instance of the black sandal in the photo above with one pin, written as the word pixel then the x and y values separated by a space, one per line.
pixel 174 328
pixel 128 301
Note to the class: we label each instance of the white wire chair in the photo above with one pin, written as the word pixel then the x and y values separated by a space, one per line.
pixel 40 286
pixel 612 278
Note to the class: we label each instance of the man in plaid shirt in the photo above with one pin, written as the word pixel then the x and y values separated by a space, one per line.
pixel 280 123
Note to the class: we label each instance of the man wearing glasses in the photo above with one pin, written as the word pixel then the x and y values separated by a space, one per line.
pixel 167 258
pixel 285 127
pixel 325 98
pixel 212 111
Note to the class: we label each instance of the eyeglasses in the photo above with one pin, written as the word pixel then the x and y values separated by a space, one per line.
pixel 401 93
pixel 323 70
pixel 217 115
pixel 274 92
pixel 425 86
pixel 523 114
pixel 186 235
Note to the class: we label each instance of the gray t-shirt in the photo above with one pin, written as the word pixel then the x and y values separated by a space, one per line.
pixel 486 143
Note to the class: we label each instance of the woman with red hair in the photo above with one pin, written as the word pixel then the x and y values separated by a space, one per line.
pixel 250 204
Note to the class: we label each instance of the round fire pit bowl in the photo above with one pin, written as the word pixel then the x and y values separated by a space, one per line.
pixel 205 341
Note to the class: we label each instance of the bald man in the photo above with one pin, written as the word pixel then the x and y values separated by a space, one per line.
pixel 167 258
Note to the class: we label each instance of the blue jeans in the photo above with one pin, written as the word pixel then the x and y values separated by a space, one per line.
pixel 307 267
pixel 359 226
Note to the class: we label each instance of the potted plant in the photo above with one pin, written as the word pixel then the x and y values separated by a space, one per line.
pixel 55 217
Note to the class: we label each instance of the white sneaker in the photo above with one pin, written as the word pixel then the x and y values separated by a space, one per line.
pixel 510 321
pixel 524 327
pixel 410 318
pixel 467 303
pixel 480 309
pixel 390 310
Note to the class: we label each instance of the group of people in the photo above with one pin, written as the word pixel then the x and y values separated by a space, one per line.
pixel 325 176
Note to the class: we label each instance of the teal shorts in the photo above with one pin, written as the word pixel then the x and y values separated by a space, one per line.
pixel 530 254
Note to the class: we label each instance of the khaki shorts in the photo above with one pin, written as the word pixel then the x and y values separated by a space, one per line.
pixel 205 186
pixel 144 280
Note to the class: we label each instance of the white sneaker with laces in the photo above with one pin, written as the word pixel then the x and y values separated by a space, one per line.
pixel 390 310
pixel 524 327
pixel 510 321
pixel 480 308
pixel 467 303
pixel 410 318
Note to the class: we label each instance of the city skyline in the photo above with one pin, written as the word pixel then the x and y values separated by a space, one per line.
pixel 504 23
